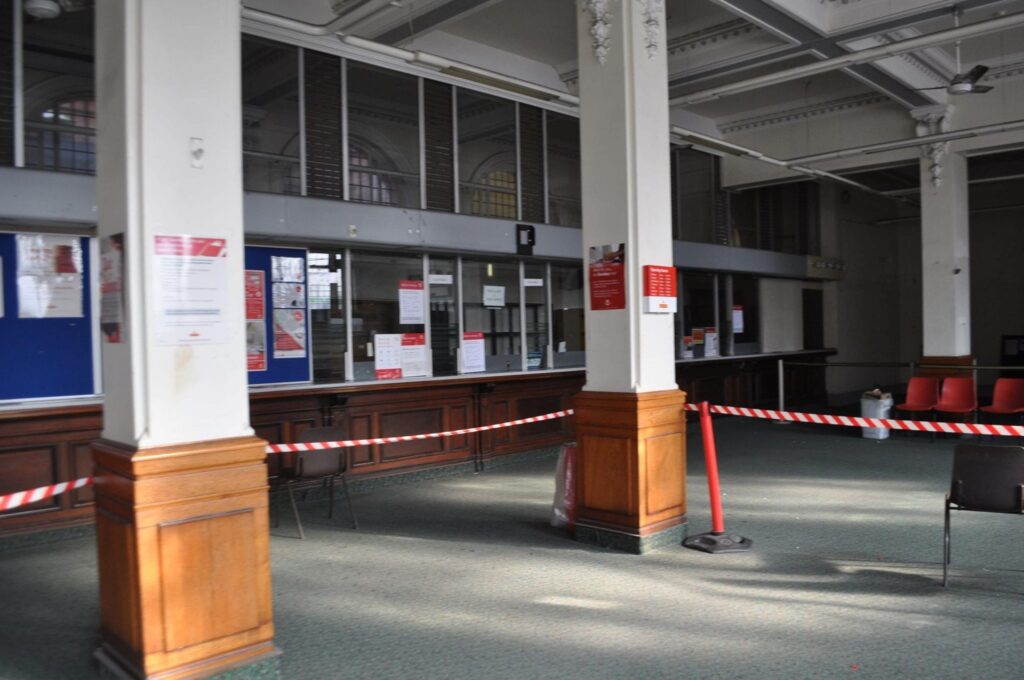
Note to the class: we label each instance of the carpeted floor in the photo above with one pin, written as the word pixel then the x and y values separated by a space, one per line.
pixel 463 578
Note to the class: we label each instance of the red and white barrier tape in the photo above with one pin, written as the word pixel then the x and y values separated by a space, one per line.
pixel 345 443
pixel 19 498
pixel 854 421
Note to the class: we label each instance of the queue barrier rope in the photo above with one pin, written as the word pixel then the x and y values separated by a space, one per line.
pixel 19 498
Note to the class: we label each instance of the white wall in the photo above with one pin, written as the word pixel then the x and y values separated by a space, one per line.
pixel 782 316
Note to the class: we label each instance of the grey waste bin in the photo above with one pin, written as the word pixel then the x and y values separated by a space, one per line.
pixel 875 405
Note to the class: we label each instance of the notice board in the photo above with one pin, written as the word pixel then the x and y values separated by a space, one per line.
pixel 42 356
pixel 282 298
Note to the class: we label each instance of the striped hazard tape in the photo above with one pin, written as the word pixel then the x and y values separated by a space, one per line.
pixel 19 498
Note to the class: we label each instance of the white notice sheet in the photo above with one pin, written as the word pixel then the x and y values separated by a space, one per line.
pixel 191 289
pixel 473 359
pixel 410 302
pixel 49 276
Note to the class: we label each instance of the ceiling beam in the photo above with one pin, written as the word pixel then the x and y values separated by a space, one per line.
pixel 431 20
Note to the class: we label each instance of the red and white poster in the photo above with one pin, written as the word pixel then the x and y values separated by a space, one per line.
pixel 414 355
pixel 191 289
pixel 411 301
pixel 473 358
pixel 112 321
pixel 737 319
pixel 255 320
pixel 49 275
pixel 659 289
pixel 387 356
pixel 608 277
pixel 289 333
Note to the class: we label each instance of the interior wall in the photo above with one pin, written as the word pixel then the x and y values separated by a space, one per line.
pixel 782 321
pixel 997 284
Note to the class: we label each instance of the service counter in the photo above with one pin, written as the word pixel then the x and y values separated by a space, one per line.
pixel 48 442
pixel 752 379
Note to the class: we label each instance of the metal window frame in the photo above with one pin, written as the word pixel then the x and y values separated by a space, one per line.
pixel 519 165
pixel 426 315
pixel 461 315
pixel 303 188
pixel 524 353
pixel 345 179
pixel 547 190
pixel 18 45
pixel 423 145
pixel 456 188
pixel 549 353
pixel 350 372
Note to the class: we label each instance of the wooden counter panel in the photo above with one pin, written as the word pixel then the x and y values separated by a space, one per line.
pixel 28 467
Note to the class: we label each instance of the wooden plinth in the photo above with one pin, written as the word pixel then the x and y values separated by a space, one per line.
pixel 184 562
pixel 926 367
pixel 631 479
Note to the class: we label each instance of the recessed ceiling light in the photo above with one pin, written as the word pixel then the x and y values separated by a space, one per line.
pixel 42 9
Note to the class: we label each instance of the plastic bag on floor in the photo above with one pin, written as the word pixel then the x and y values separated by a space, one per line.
pixel 563 510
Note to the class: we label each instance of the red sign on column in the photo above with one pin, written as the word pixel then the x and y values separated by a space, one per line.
pixel 608 277
pixel 659 289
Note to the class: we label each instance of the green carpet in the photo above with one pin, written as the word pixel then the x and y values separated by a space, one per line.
pixel 462 577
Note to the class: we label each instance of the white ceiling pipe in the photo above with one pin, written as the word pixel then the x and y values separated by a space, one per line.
pixel 332 26
pixel 910 143
pixel 853 58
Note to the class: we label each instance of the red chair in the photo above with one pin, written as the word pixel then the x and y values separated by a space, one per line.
pixel 958 396
pixel 1008 397
pixel 922 395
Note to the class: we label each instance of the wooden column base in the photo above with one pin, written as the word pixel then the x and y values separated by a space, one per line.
pixel 631 479
pixel 184 562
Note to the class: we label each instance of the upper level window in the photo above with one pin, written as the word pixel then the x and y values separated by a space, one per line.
pixel 565 207
pixel 487 155
pixel 367 183
pixel 270 117
pixel 63 137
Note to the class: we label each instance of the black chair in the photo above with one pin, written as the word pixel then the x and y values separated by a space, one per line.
pixel 326 465
pixel 986 478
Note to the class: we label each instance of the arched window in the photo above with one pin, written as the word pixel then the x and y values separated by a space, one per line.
pixel 495 195
pixel 367 183
pixel 62 136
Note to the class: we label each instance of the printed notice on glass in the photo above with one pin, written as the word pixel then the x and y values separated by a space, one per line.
pixel 289 334
pixel 737 319
pixel 112 322
pixel 49 273
pixel 473 359
pixel 191 289
pixel 607 274
pixel 414 355
pixel 320 282
pixel 387 356
pixel 440 279
pixel 410 302
pixel 289 295
pixel 494 296
pixel 288 269
pixel 711 342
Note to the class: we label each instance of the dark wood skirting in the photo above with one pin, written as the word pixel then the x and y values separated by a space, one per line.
pixel 45 446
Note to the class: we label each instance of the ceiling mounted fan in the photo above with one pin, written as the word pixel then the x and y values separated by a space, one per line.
pixel 964 83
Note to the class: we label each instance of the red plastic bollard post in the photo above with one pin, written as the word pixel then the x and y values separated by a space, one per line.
pixel 707 434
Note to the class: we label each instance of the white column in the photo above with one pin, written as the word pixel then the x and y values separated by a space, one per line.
pixel 625 184
pixel 169 163
pixel 945 255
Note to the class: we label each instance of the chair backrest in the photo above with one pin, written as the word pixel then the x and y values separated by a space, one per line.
pixel 959 392
pixel 1009 393
pixel 325 461
pixel 988 477
pixel 923 391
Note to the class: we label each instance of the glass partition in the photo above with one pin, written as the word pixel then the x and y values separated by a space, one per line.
pixel 535 306
pixel 59 100
pixel 326 297
pixel 567 315
pixel 565 208
pixel 383 136
pixel 270 117
pixel 444 315
pixel 699 317
pixel 487 155
pixel 385 302
pixel 491 307
pixel 694 189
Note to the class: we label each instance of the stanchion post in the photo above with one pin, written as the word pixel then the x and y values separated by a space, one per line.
pixel 716 540
pixel 782 391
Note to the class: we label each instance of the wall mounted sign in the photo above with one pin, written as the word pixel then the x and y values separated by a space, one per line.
pixel 289 333
pixel 191 289
pixel 607 273
pixel 494 296
pixel 659 289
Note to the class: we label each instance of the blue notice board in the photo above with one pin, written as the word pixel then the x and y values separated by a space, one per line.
pixel 291 364
pixel 44 357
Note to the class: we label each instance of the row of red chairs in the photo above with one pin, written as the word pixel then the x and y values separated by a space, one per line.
pixel 958 396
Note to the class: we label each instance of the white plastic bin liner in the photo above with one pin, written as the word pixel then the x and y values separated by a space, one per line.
pixel 875 405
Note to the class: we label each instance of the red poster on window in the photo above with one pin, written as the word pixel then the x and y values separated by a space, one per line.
pixel 608 277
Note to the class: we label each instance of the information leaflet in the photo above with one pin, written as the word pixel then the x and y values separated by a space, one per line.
pixel 711 342
pixel 737 319
pixel 255 320
pixel 607 273
pixel 49 273
pixel 494 296
pixel 411 301
pixel 112 322
pixel 414 355
pixel 289 333
pixel 288 298
pixel 387 355
pixel 473 358
pixel 191 289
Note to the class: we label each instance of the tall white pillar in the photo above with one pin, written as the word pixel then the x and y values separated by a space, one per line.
pixel 945 255
pixel 629 417
pixel 181 483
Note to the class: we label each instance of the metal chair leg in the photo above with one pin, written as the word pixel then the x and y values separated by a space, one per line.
pixel 295 511
pixel 348 499
pixel 946 552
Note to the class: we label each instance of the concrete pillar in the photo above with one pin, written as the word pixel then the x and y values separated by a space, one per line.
pixel 181 490
pixel 629 418
pixel 945 255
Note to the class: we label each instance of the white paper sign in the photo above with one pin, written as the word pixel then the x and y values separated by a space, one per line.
pixel 473 358
pixel 411 301
pixel 320 282
pixel 414 355
pixel 112 321
pixel 49 271
pixel 287 269
pixel 289 295
pixel 289 334
pixel 191 289
pixel 737 319
pixel 387 355
pixel 440 279
pixel 710 342
pixel 533 283
pixel 494 296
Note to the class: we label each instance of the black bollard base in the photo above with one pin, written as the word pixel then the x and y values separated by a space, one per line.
pixel 718 543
